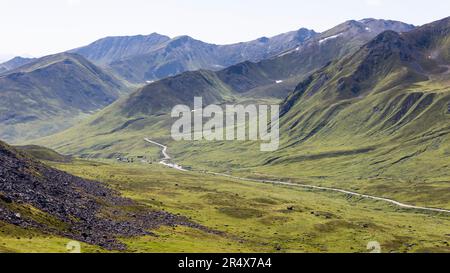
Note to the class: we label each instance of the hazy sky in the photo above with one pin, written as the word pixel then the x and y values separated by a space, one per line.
pixel 40 27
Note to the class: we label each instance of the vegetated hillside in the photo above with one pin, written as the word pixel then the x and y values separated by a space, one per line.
pixel 39 198
pixel 244 77
pixel 15 63
pixel 120 128
pixel 161 96
pixel 145 58
pixel 49 94
pixel 380 113
pixel 288 68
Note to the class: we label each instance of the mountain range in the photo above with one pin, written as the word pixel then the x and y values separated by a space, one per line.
pixel 273 77
pixel 140 58
pixel 60 89
pixel 364 122
pixel 383 105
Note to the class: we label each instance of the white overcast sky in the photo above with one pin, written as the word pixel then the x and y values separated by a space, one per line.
pixel 40 27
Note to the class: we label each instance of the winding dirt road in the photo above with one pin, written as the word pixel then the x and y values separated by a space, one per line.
pixel 167 159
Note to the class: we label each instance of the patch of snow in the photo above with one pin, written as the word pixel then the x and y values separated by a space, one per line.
pixel 149 82
pixel 329 38
pixel 368 29
pixel 279 81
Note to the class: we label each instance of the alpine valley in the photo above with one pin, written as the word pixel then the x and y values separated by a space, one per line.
pixel 364 144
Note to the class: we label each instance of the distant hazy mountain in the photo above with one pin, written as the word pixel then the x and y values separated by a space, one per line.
pixel 145 58
pixel 181 89
pixel 274 77
pixel 46 95
pixel 111 49
pixel 15 63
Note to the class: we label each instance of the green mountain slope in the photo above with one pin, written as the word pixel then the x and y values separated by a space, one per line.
pixel 144 58
pixel 288 68
pixel 15 63
pixel 408 71
pixel 170 58
pixel 49 94
pixel 37 199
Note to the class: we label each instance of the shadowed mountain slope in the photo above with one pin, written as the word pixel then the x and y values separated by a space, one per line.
pixel 40 198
